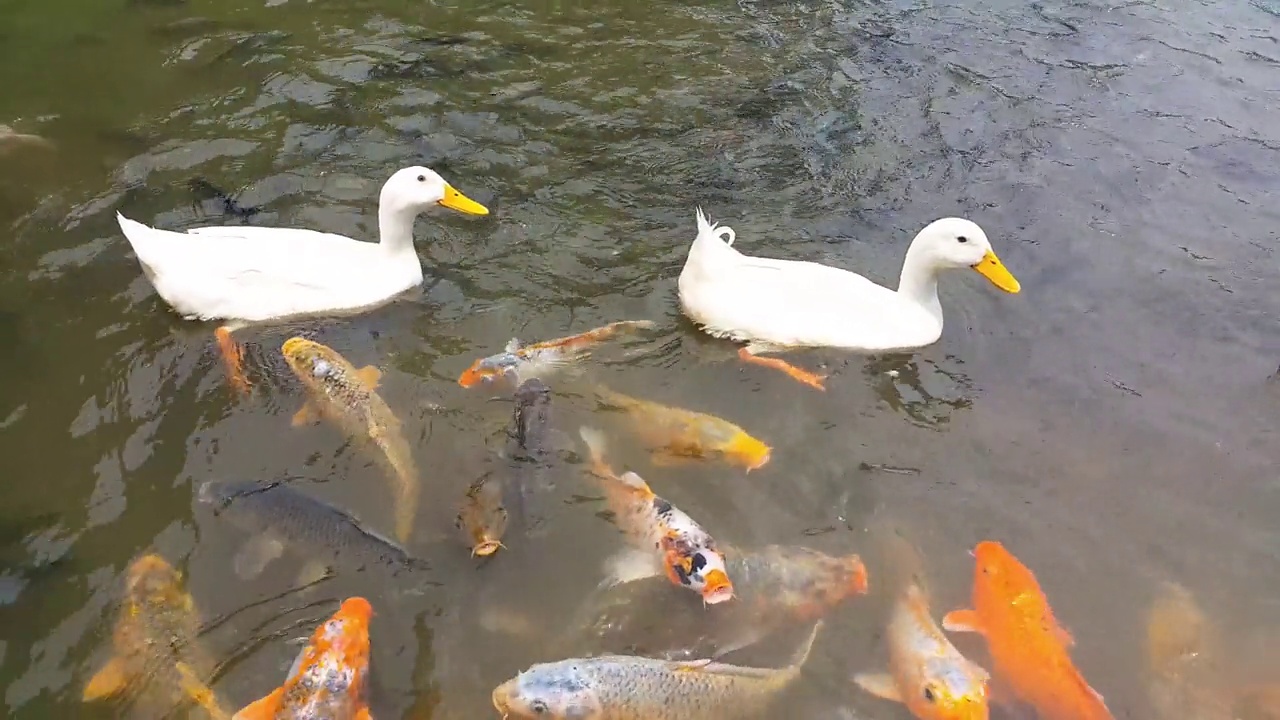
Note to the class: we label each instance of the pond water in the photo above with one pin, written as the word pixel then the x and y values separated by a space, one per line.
pixel 1114 424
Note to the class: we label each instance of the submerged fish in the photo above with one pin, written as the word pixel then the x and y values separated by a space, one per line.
pixel 926 672
pixel 484 516
pixel 621 687
pixel 1028 647
pixel 675 433
pixel 688 553
pixel 543 358
pixel 280 517
pixel 1184 660
pixel 341 393
pixel 11 139
pixel 156 658
pixel 329 679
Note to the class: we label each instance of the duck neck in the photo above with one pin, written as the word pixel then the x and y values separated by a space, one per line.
pixel 395 231
pixel 919 282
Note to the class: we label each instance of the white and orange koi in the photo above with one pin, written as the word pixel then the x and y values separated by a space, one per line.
pixel 543 358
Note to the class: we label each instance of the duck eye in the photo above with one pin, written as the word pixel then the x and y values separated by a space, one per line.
pixel 962 238
pixel 423 178
pixel 928 694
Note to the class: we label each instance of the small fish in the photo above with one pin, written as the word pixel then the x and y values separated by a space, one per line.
pixel 1184 660
pixel 11 139
pixel 531 422
pixel 1028 647
pixel 543 358
pixel 926 672
pixel 483 518
pixel 281 517
pixel 156 657
pixel 675 433
pixel 620 687
pixel 341 393
pixel 689 554
pixel 329 678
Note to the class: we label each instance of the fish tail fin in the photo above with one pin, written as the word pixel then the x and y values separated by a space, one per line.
pixel 903 563
pixel 200 693
pixel 802 653
pixel 109 681
pixel 596 445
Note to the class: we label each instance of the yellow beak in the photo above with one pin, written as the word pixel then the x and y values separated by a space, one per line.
pixel 992 269
pixel 455 200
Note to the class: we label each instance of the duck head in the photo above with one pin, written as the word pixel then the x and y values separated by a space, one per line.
pixel 415 189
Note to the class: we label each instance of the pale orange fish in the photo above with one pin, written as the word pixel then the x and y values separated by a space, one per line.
pixel 543 358
pixel 329 679
pixel 1028 647
pixel 675 433
pixel 1184 660
pixel 690 557
pixel 926 672
pixel 156 660
pixel 347 396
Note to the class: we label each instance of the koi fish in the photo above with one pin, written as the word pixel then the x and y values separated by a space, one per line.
pixel 926 672
pixel 341 393
pixel 281 518
pixel 621 687
pixel 483 517
pixel 156 657
pixel 675 433
pixel 689 555
pixel 1027 645
pixel 329 678
pixel 1184 660
pixel 543 358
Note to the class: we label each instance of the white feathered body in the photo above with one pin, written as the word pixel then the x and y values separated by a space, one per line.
pixel 790 303
pixel 257 274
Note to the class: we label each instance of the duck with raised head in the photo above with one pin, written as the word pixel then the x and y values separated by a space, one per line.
pixel 775 305
pixel 260 275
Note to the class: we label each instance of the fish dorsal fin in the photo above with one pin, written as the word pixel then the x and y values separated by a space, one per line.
pixel 1063 635
pixel 512 345
pixel 634 481
pixel 882 685
pixel 262 709
pixel 721 669
pixel 369 376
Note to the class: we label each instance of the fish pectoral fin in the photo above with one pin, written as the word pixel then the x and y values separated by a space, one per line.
pixel 262 709
pixel 363 714
pixel 692 665
pixel 1063 635
pixel 881 685
pixel 255 555
pixel 630 565
pixel 745 638
pixel 962 621
pixel 369 376
pixel 111 679
pixel 312 572
pixel 306 415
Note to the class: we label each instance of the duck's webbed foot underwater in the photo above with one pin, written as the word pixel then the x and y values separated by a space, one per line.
pixel 811 379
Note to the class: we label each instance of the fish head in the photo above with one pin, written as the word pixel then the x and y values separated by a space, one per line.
pixel 152 582
pixel 949 688
pixel 487 369
pixel 747 451
pixel 550 691
pixel 345 635
pixel 483 519
pixel 1000 580
pixel 312 362
pixel 701 568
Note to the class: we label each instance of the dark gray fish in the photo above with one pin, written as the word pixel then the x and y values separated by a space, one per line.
pixel 529 448
pixel 280 517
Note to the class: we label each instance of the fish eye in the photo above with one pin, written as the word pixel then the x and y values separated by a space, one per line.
pixel 538 707
pixel 928 694
pixel 962 239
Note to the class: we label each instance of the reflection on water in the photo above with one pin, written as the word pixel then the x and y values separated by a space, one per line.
pixel 1113 424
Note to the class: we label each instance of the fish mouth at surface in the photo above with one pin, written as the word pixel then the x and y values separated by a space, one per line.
pixel 486 548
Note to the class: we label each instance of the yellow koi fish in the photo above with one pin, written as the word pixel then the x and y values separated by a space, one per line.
pixel 156 657
pixel 344 395
pixel 674 433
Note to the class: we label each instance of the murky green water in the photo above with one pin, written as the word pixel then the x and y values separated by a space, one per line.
pixel 1114 424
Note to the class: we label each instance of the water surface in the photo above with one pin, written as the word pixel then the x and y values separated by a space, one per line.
pixel 1113 424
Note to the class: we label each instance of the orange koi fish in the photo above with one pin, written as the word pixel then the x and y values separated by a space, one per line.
pixel 543 358
pixel 156 659
pixel 347 396
pixel 675 433
pixel 328 680
pixel 926 672
pixel 1028 647
pixel 689 554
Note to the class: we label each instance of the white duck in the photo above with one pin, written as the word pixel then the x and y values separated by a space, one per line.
pixel 774 305
pixel 258 275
